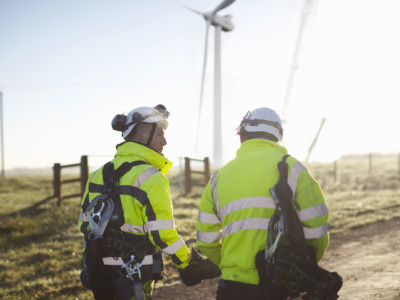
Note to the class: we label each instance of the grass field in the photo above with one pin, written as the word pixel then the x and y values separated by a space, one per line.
pixel 40 247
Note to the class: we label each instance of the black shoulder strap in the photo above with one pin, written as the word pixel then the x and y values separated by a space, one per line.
pixel 293 226
pixel 108 173
pixel 108 169
pixel 125 167
pixel 117 174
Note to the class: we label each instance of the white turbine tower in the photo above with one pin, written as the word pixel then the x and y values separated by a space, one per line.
pixel 220 23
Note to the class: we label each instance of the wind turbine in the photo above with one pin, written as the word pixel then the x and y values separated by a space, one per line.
pixel 220 23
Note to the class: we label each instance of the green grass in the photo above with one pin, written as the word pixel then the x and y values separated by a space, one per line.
pixel 40 248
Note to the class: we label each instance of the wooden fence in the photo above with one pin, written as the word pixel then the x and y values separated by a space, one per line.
pixel 58 181
pixel 188 173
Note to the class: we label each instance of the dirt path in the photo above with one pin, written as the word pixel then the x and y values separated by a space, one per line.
pixel 367 258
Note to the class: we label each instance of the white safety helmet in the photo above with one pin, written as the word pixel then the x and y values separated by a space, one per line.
pixel 262 120
pixel 143 114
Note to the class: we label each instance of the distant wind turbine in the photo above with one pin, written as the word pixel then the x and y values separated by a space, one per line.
pixel 294 67
pixel 315 139
pixel 220 23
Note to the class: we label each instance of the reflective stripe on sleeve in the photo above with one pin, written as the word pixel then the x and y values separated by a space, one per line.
pixel 83 217
pixel 208 237
pixel 294 175
pixel 315 233
pixel 133 228
pixel 171 249
pixel 312 212
pixel 208 218
pixel 159 225
pixel 255 223
pixel 213 185
pixel 144 176
pixel 264 202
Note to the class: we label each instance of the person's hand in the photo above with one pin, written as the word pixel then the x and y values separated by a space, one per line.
pixel 198 269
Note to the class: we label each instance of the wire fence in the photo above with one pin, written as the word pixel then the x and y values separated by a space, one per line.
pixel 359 171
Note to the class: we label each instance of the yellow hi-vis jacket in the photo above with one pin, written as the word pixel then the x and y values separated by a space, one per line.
pixel 236 207
pixel 154 218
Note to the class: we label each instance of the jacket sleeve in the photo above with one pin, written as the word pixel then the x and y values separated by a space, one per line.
pixel 313 213
pixel 209 226
pixel 159 221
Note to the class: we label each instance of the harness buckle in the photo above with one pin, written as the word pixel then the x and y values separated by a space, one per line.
pixel 111 185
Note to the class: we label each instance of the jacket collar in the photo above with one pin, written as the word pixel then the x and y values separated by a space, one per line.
pixel 260 144
pixel 141 152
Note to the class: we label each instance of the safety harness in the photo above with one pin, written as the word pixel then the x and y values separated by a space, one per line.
pixel 104 238
pixel 288 272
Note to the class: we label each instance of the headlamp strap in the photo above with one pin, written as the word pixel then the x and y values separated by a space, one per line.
pixel 153 128
pixel 255 122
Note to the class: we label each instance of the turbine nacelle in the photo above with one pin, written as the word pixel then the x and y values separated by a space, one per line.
pixel 224 22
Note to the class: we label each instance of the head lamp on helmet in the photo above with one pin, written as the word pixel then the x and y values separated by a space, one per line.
pixel 143 114
pixel 262 120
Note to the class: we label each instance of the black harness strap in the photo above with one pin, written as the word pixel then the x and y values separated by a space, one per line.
pixel 122 189
pixel 293 226
pixel 128 190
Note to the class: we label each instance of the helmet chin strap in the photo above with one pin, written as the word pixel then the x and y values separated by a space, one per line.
pixel 153 128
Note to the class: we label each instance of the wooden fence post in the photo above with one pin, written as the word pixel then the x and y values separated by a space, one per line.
pixel 84 173
pixel 188 180
pixel 57 183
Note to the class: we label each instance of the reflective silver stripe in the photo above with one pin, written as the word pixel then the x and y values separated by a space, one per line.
pixel 133 228
pixel 144 176
pixel 208 237
pixel 83 217
pixel 159 225
pixel 213 185
pixel 312 212
pixel 294 175
pixel 111 261
pixel 265 202
pixel 315 233
pixel 171 249
pixel 147 260
pixel 208 218
pixel 256 223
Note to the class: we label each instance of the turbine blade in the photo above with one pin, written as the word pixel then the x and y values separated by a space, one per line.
pixel 224 4
pixel 203 78
pixel 191 9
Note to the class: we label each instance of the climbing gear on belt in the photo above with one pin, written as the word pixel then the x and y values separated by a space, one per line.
pixel 131 270
pixel 289 272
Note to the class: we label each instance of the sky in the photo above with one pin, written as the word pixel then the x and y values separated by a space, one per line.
pixel 68 67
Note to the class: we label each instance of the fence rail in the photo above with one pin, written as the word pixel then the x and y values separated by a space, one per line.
pixel 58 182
